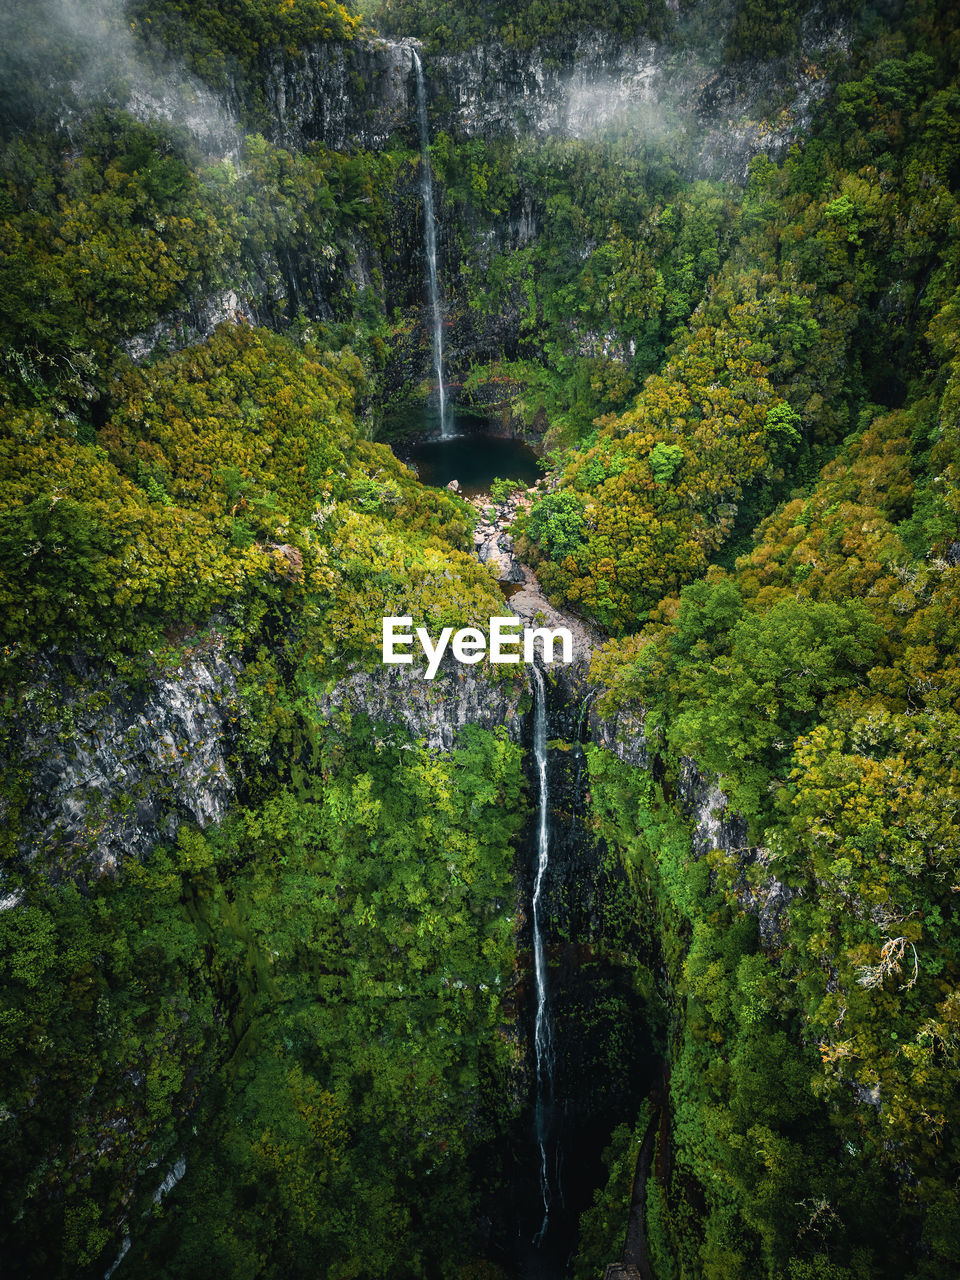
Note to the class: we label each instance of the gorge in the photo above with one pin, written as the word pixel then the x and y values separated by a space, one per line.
pixel 542 1030
pixel 634 320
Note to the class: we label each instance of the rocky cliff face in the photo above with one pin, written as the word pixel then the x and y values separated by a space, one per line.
pixel 362 96
pixel 434 710
pixel 598 81
pixel 352 96
pixel 359 95
pixel 622 734
pixel 116 768
pixel 716 826
pixel 180 328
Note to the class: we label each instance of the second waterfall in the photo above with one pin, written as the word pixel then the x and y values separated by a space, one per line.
pixel 430 240
pixel 542 1035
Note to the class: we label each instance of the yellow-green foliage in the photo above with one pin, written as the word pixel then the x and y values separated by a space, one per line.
pixel 820 682
pixel 230 466
pixel 643 535
pixel 86 556
pixel 217 35
pixel 99 238
pixel 95 241
pixel 785 341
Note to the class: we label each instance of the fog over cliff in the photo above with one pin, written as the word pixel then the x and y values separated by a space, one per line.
pixel 88 54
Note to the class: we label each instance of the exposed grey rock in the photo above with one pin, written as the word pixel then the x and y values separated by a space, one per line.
pixel 530 604
pixel 360 94
pixel 582 86
pixel 715 826
pixel 763 894
pixel 170 1181
pixel 706 804
pixel 494 546
pixel 349 96
pixel 179 329
pixel 622 735
pixel 524 228
pixel 508 567
pixel 107 65
pixel 868 1094
pixel 120 768
pixel 773 897
pixel 179 99
pixel 569 89
pixel 124 1249
pixel 437 710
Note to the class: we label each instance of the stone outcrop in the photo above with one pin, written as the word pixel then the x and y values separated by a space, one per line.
pixel 585 85
pixel 182 328
pixel 495 547
pixel 435 711
pixel 361 94
pixel 116 767
pixel 353 96
pixel 621 733
pixel 715 826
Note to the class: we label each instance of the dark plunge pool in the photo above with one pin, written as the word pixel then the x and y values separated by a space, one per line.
pixel 472 457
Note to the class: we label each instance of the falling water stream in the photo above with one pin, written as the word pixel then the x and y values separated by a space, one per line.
pixel 542 1038
pixel 430 240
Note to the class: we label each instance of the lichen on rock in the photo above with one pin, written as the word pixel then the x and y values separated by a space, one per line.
pixel 116 767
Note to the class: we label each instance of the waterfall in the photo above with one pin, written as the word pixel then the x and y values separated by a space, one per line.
pixel 542 1036
pixel 430 238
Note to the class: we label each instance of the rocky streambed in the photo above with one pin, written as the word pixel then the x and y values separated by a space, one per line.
pixel 494 545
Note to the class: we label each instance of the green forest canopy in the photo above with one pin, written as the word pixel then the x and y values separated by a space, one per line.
pixel 756 500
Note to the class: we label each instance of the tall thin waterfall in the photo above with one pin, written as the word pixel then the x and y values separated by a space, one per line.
pixel 542 1035
pixel 430 238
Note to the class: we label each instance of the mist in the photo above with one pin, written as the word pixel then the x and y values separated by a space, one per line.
pixel 58 58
